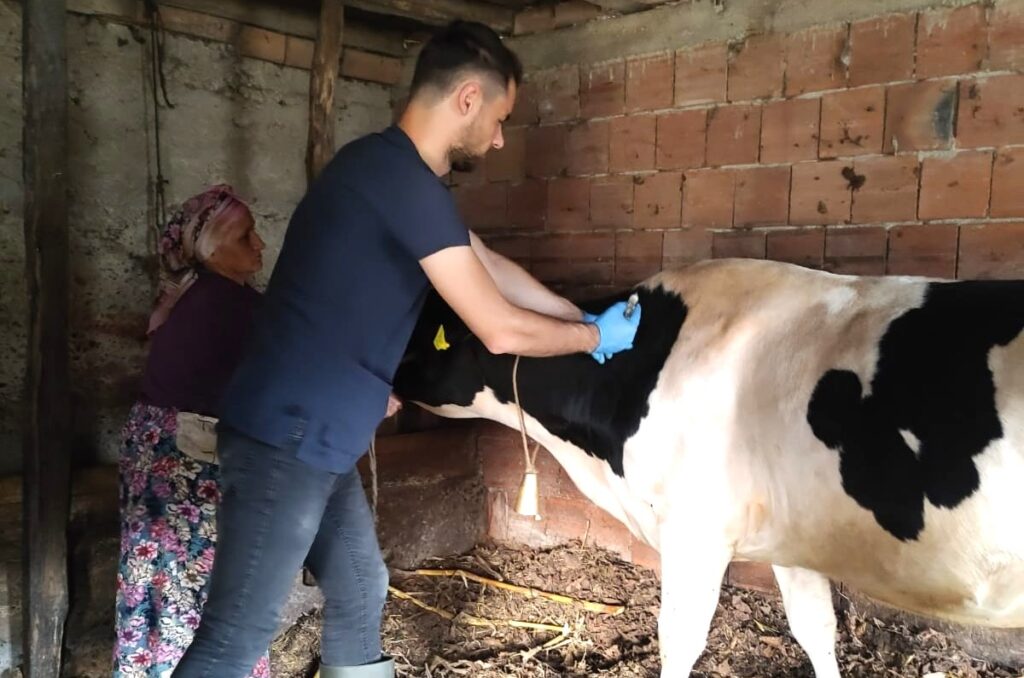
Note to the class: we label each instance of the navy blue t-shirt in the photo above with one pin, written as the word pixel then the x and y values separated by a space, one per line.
pixel 342 302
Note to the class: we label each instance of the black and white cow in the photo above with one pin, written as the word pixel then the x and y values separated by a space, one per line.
pixel 869 430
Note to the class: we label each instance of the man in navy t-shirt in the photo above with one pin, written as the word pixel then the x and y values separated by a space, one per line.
pixel 376 229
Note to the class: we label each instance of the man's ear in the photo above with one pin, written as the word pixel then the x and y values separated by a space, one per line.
pixel 469 97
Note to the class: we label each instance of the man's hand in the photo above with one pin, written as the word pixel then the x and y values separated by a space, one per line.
pixel 617 331
pixel 394 404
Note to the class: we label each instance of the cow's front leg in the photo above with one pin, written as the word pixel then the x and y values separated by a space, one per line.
pixel 807 598
pixel 692 567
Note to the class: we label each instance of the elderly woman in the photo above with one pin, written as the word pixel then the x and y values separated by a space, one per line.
pixel 209 250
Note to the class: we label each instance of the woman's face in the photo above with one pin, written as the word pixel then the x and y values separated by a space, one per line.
pixel 240 254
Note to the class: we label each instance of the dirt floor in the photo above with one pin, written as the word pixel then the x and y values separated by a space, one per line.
pixel 749 636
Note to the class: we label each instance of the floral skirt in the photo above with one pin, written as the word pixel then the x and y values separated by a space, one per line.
pixel 168 534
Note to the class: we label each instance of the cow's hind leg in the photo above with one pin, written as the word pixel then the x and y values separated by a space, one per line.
pixel 692 568
pixel 807 597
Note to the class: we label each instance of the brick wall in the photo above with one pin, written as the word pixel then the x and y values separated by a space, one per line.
pixel 890 145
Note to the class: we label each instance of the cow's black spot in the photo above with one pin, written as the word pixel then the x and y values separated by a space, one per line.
pixel 595 407
pixel 933 381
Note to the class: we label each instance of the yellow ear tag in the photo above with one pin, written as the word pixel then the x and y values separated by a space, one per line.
pixel 440 343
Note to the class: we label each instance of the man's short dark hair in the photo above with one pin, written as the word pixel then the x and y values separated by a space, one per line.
pixel 461 47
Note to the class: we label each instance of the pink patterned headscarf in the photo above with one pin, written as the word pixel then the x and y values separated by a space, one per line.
pixel 189 238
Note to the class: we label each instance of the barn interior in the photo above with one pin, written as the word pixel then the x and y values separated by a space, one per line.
pixel 881 137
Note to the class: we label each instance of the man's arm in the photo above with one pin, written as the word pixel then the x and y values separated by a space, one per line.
pixel 520 288
pixel 462 280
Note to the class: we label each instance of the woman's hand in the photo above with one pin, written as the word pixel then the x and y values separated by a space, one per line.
pixel 394 404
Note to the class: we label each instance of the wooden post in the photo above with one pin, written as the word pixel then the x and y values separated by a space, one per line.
pixel 322 78
pixel 46 496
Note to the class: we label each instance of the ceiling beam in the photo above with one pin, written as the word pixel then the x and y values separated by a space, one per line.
pixel 627 6
pixel 440 12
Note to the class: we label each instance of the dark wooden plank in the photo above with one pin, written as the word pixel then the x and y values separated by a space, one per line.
pixel 47 440
pixel 322 80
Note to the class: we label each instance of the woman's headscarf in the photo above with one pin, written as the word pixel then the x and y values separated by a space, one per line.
pixel 189 238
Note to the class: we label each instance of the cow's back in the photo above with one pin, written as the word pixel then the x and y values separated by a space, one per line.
pixel 873 428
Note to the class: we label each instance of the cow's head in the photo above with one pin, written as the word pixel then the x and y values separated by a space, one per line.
pixel 595 407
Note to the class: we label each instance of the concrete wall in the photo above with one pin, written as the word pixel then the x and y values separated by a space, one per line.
pixel 234 119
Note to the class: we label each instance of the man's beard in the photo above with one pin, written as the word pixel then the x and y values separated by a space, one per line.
pixel 462 160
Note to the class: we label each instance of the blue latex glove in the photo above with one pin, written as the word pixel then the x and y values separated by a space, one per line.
pixel 617 331
pixel 590 318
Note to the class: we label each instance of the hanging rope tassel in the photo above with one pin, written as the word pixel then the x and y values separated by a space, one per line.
pixel 528 501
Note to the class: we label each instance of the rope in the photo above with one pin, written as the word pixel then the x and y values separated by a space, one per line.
pixel 531 459
pixel 156 32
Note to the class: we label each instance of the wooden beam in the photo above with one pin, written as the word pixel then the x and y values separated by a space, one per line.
pixel 322 79
pixel 287 18
pixel 440 12
pixel 47 441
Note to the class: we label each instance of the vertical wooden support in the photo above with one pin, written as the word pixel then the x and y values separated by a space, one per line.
pixel 322 79
pixel 46 496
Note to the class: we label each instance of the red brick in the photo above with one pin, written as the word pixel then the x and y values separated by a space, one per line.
pixel 558 94
pixel 789 130
pixel 261 44
pixel 851 122
pixel 680 139
pixel 566 519
pixel 483 207
pixel 751 575
pixel 360 65
pixel 578 258
pixel 734 135
pixel 957 186
pixel 756 69
pixel 516 248
pixel 649 83
pixel 882 49
pixel 603 90
pixel 658 200
pixel 687 246
pixel 509 164
pixel 701 74
pixel 856 251
pixel 991 112
pixel 1006 36
pixel 928 250
pixel 607 532
pixel 637 256
pixel 889 191
pixel 632 143
pixel 201 25
pixel 497 514
pixel 298 52
pixel 820 194
pixel 919 116
pixel 762 196
pixel 587 148
pixel 805 247
pixel 611 202
pixel 708 198
pixel 814 60
pixel 528 204
pixel 645 556
pixel 545 151
pixel 525 111
pixel 738 244
pixel 477 176
pixel 951 41
pixel 992 251
pixel 568 204
pixel 1008 183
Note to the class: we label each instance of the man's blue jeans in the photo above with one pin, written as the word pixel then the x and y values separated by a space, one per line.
pixel 276 513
